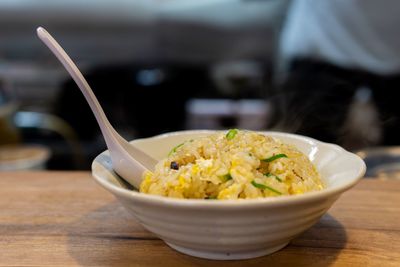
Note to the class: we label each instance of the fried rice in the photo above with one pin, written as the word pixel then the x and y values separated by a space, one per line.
pixel 237 164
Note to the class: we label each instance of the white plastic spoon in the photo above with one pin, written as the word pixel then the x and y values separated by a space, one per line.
pixel 128 161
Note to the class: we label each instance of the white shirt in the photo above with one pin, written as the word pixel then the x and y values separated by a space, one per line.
pixel 362 34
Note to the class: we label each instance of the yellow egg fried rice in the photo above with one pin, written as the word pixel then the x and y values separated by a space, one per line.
pixel 237 164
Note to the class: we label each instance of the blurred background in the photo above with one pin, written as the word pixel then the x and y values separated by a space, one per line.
pixel 165 65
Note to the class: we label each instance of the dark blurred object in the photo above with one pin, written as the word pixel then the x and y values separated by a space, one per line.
pixel 139 101
pixel 147 100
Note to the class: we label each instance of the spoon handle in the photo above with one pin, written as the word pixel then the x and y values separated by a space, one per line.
pixel 78 78
pixel 113 140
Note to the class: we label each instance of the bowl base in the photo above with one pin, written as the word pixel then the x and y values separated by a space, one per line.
pixel 227 255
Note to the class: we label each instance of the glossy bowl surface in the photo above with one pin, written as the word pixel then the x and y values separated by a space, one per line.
pixel 233 229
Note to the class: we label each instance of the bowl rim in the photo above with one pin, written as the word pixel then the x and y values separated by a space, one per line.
pixel 205 203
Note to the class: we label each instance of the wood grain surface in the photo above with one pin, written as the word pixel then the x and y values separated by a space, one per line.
pixel 66 219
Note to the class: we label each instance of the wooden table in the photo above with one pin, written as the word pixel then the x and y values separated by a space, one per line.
pixel 66 219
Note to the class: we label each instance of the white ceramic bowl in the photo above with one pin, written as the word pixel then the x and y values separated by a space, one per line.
pixel 234 229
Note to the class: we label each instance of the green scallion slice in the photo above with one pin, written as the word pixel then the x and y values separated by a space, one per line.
pixel 273 175
pixel 225 178
pixel 231 134
pixel 175 148
pixel 274 157
pixel 263 186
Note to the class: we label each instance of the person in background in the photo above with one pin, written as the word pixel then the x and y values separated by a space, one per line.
pixel 341 62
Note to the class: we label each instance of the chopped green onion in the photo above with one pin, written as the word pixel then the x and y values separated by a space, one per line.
pixel 225 177
pixel 274 157
pixel 263 186
pixel 211 197
pixel 273 175
pixel 231 134
pixel 175 148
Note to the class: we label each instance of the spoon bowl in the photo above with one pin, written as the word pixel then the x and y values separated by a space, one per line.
pixel 128 161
